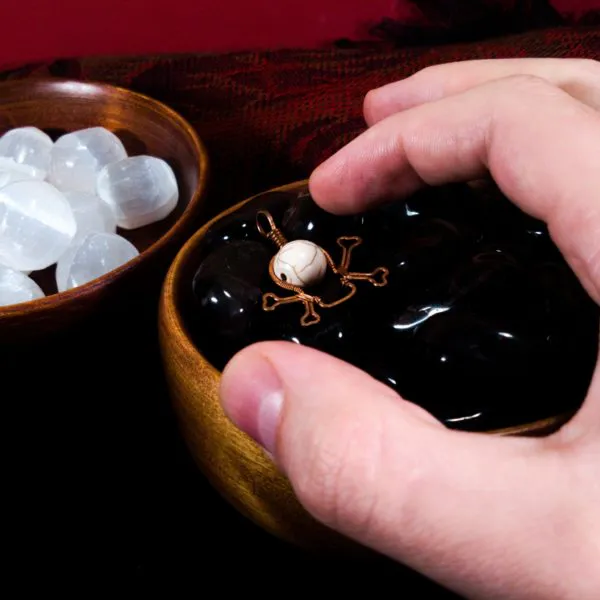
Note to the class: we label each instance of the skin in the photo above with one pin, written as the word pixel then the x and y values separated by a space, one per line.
pixel 489 517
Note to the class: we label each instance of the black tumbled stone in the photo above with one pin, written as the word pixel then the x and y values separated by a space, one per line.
pixel 482 323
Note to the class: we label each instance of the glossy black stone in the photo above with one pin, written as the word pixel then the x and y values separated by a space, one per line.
pixel 241 225
pixel 304 220
pixel 482 323
pixel 227 297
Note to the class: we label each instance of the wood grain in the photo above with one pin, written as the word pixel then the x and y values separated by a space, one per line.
pixel 235 464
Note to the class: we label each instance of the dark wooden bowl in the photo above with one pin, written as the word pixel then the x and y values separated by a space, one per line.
pixel 233 463
pixel 145 126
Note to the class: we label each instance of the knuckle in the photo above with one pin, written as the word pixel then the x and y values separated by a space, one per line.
pixel 431 71
pixel 529 84
pixel 518 96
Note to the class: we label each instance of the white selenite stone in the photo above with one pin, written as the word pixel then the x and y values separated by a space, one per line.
pixel 300 263
pixel 36 225
pixel 78 157
pixel 91 214
pixel 139 190
pixel 10 172
pixel 27 146
pixel 16 287
pixel 94 256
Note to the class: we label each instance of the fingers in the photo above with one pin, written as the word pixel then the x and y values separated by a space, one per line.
pixel 480 514
pixel 578 77
pixel 540 145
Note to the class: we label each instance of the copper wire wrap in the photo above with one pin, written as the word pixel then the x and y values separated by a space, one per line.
pixel 378 277
pixel 272 233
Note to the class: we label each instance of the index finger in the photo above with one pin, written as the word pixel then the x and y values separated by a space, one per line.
pixel 541 146
pixel 578 77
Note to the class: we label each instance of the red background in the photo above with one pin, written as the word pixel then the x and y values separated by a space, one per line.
pixel 42 29
pixel 39 29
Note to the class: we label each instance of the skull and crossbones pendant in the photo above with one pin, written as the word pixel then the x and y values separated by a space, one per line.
pixel 300 264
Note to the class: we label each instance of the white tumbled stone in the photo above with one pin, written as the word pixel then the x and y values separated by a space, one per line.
pixel 63 267
pixel 300 263
pixel 91 214
pixel 10 172
pixel 36 225
pixel 16 287
pixel 139 190
pixel 28 146
pixel 94 256
pixel 78 157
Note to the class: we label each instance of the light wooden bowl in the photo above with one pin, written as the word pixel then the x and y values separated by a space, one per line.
pixel 231 461
pixel 145 126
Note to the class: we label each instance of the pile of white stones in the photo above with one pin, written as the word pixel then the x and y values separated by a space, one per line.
pixel 62 202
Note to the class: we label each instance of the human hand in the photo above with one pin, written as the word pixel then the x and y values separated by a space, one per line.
pixel 489 517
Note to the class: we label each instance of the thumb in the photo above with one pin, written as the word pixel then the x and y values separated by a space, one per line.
pixel 481 514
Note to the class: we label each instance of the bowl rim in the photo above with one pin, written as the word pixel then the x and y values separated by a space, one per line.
pixel 170 300
pixel 80 293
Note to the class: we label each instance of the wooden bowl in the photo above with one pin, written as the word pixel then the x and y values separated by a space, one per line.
pixel 231 461
pixel 145 126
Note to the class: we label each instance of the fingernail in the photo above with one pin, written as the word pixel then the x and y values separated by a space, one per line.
pixel 252 397
pixel 269 414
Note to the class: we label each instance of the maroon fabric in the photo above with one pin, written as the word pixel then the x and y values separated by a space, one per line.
pixel 268 118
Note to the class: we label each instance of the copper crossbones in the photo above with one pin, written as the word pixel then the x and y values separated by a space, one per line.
pixel 378 277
